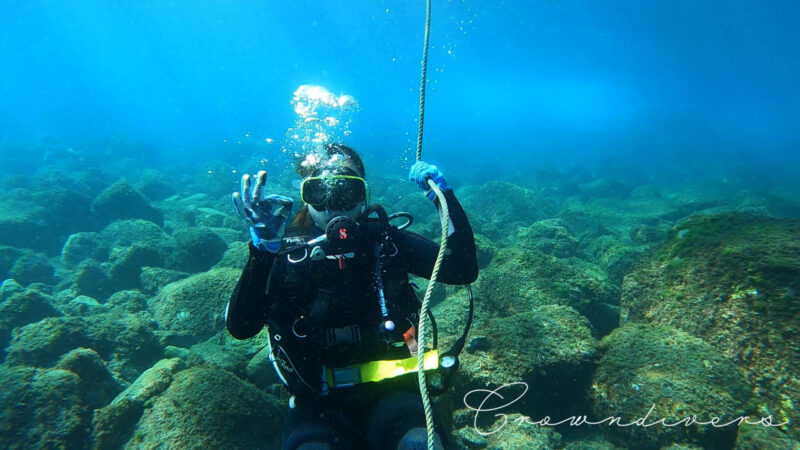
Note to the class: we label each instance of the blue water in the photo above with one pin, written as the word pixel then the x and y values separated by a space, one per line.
pixel 696 83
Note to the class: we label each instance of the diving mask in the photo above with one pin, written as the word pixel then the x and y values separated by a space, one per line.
pixel 334 192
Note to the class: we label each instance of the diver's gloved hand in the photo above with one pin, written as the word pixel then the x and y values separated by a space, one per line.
pixel 266 215
pixel 420 173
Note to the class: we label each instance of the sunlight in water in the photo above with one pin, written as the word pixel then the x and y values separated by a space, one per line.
pixel 322 118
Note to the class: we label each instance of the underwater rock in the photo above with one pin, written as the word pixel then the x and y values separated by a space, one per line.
pixel 22 226
pixel 124 248
pixel 467 437
pixel 478 344
pixel 677 375
pixel 197 249
pixel 509 433
pixel 210 408
pixel 603 317
pixel 646 234
pixel 520 279
pixel 40 344
pixel 67 210
pixel 154 278
pixel 126 233
pixel 90 279
pixel 484 249
pixel 126 341
pixel 93 178
pixel 132 301
pixel 8 288
pixel 733 280
pixel 212 218
pixel 96 383
pixel 550 348
pixel 755 437
pixel 774 205
pixel 216 179
pixel 113 425
pixel 126 263
pixel 122 201
pixel 223 356
pixel 611 254
pixel 591 440
pixel 259 370
pixel 84 245
pixel 32 267
pixel 154 185
pixel 8 256
pixel 189 357
pixel 42 409
pixel 83 305
pixel 688 205
pixel 235 256
pixel 549 236
pixel 192 310
pixel 604 188
pixel 22 308
pixel 504 207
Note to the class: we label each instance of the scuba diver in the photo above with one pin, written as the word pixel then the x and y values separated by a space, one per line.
pixel 332 287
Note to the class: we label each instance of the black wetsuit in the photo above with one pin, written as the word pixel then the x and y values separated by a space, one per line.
pixel 326 314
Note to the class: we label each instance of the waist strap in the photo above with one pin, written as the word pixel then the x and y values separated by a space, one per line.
pixel 374 371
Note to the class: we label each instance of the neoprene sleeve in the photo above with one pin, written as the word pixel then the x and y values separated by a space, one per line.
pixel 246 311
pixel 460 265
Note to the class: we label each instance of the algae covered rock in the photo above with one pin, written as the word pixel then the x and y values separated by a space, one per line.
pixel 8 288
pixel 126 233
pixel 654 372
pixel 126 341
pixel 609 251
pixel 192 310
pixel 733 280
pixel 113 425
pixel 155 186
pixel 504 207
pixel 126 265
pixel 210 408
pixel 21 226
pixel 8 256
pixel 216 353
pixel 132 301
pixel 154 278
pixel 259 370
pixel 41 409
pixel 235 256
pixel 484 249
pixel 520 279
pixel 197 249
pixel 550 348
pixel 83 305
pixel 22 308
pixel 756 437
pixel 122 201
pixel 549 236
pixel 97 385
pixel 90 279
pixel 509 432
pixel 32 267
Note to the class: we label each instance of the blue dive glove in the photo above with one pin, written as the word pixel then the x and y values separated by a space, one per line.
pixel 421 171
pixel 266 215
